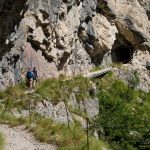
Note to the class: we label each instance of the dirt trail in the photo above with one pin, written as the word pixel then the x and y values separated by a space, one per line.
pixel 19 139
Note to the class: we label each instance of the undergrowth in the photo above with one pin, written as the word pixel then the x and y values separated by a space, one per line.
pixel 96 68
pixel 2 141
pixel 124 115
pixel 45 129
pixel 123 120
pixel 58 90
pixel 15 92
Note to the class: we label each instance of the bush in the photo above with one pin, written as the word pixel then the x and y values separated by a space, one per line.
pixel 123 119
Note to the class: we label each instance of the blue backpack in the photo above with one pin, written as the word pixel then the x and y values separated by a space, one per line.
pixel 29 75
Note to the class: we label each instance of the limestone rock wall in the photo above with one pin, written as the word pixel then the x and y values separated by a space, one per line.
pixel 69 36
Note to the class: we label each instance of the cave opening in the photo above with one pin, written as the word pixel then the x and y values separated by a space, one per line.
pixel 122 54
pixel 122 50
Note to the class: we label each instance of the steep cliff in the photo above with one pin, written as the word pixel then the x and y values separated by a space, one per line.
pixel 71 36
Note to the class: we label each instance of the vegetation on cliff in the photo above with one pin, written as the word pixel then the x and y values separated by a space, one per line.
pixel 124 115
pixel 45 129
pixel 123 120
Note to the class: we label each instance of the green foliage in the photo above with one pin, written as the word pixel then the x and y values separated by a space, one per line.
pixel 134 81
pixel 123 120
pixel 47 130
pixel 96 68
pixel 62 77
pixel 124 115
pixel 10 119
pixel 117 65
pixel 57 90
pixel 13 91
pixel 2 142
pixel 49 89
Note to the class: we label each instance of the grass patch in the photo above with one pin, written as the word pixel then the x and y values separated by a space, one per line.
pixel 15 92
pixel 46 130
pixel 75 139
pixel 2 142
pixel 10 119
pixel 96 68
pixel 117 65
pixel 58 90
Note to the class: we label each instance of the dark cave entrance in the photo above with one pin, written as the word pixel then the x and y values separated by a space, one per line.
pixel 122 54
pixel 122 51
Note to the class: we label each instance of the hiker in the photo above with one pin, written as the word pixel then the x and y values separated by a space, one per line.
pixel 35 76
pixel 29 78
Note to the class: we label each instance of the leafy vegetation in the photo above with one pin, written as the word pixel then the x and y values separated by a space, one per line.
pixel 134 80
pixel 124 115
pixel 123 120
pixel 75 139
pixel 45 129
pixel 57 90
pixel 15 92
pixel 117 65
pixel 96 68
pixel 1 142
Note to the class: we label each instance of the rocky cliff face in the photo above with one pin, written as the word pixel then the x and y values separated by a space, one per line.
pixel 71 36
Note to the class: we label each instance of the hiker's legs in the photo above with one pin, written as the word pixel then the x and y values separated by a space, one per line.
pixel 34 83
pixel 30 85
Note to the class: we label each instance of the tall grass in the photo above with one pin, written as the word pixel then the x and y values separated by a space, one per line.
pixel 54 90
pixel 1 142
pixel 13 91
pixel 48 131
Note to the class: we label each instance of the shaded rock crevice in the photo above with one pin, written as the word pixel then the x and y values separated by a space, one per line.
pixel 122 50
pixel 11 13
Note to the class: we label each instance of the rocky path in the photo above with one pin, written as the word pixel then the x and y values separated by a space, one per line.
pixel 19 139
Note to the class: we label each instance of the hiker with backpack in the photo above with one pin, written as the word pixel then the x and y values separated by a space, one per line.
pixel 35 76
pixel 29 78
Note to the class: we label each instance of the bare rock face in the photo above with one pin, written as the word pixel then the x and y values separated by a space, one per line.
pixel 69 36
pixel 61 114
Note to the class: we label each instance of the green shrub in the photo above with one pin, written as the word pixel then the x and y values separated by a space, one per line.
pixel 123 120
